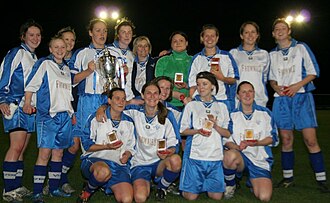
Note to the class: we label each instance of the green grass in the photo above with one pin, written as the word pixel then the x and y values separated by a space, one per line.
pixel 304 191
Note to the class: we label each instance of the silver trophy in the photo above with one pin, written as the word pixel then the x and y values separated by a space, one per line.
pixel 107 66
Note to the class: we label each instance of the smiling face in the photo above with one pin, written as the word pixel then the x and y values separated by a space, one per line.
pixel 209 38
pixel 246 94
pixel 165 88
pixel 151 96
pixel 142 48
pixel 58 49
pixel 249 35
pixel 32 38
pixel 281 31
pixel 70 40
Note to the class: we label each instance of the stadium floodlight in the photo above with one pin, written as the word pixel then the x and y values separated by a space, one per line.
pixel 107 13
pixel 103 15
pixel 114 15
pixel 289 19
pixel 299 18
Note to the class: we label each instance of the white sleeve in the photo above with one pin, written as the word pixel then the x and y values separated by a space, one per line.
pixel 37 79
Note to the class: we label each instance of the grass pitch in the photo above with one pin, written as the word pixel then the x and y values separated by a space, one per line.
pixel 305 189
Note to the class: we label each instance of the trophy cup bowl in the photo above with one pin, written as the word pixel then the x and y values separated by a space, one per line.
pixel 106 66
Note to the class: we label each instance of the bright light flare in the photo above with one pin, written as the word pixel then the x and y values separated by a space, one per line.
pixel 101 12
pixel 107 13
pixel 114 15
pixel 103 15
pixel 289 19
pixel 298 17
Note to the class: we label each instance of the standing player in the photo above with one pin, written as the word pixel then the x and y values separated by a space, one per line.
pixel 15 69
pixel 69 36
pixel 143 67
pixel 51 79
pixel 293 68
pixel 90 83
pixel 176 65
pixel 219 62
pixel 124 32
pixel 252 62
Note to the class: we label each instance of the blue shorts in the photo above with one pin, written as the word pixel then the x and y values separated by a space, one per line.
pixel 20 120
pixel 87 106
pixel 146 172
pixel 55 133
pixel 119 173
pixel 202 176
pixel 254 171
pixel 296 112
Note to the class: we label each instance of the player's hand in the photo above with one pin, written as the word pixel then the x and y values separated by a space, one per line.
pixel 5 110
pixel 115 145
pixel 124 157
pixel 212 118
pixel 91 66
pixel 243 145
pixel 291 90
pixel 204 133
pixel 125 67
pixel 100 115
pixel 28 108
pixel 164 52
pixel 181 85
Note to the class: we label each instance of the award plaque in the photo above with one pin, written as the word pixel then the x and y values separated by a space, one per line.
pixel 207 126
pixel 112 137
pixel 249 135
pixel 178 78
pixel 215 64
pixel 161 145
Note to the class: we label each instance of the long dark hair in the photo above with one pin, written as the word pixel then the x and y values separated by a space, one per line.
pixel 163 77
pixel 162 110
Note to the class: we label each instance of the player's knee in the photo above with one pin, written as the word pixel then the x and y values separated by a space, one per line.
pixel 175 161
pixel 102 174
pixel 189 196
pixel 230 159
pixel 126 199
pixel 140 197
pixel 264 197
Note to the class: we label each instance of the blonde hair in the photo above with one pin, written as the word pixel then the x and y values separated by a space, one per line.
pixel 139 39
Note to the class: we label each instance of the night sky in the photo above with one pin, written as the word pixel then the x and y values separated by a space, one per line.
pixel 158 19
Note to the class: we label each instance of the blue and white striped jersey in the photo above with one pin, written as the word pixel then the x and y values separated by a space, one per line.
pixel 262 126
pixel 200 147
pixel 52 83
pixel 253 66
pixel 96 133
pixel 124 56
pixel 94 83
pixel 291 65
pixel 14 72
pixel 148 132
pixel 228 67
